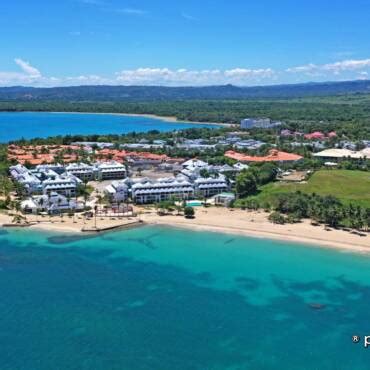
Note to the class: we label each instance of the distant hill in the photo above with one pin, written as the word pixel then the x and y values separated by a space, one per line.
pixel 153 93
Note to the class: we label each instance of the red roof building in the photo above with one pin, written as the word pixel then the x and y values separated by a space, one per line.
pixel 273 156
pixel 317 135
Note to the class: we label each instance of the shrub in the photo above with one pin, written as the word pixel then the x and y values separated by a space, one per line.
pixel 189 212
pixel 277 218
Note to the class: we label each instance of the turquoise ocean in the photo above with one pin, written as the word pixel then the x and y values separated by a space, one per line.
pixel 158 298
pixel 28 125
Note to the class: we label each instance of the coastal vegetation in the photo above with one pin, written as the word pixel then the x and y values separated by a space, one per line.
pixel 348 186
pixel 327 210
pixel 347 114
pixel 159 93
pixel 335 197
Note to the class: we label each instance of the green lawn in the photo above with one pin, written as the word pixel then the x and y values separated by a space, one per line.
pixel 348 186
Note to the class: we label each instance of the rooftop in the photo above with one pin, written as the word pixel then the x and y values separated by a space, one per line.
pixel 273 156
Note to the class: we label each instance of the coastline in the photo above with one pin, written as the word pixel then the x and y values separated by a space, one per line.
pixel 312 242
pixel 256 224
pixel 171 119
pixel 221 220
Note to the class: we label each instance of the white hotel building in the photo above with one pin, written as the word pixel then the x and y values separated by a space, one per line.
pixel 83 171
pixel 117 191
pixel 30 181
pixel 153 191
pixel 110 170
pixel 209 186
pixel 65 185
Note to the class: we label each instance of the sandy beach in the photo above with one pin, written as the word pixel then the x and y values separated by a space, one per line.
pixel 221 220
pixel 72 225
pixel 162 118
pixel 256 224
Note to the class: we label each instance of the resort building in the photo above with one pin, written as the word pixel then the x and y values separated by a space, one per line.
pixel 110 170
pixel 42 154
pixel 52 203
pixel 200 147
pixel 83 171
pixel 90 144
pixel 21 174
pixel 209 186
pixel 192 167
pixel 57 168
pixel 194 163
pixel 145 159
pixel 258 123
pixel 117 191
pixel 240 166
pixel 224 199
pixel 44 179
pixel 249 144
pixel 154 191
pixel 338 154
pixel 223 169
pixel 318 135
pixel 65 185
pixel 141 146
pixel 273 156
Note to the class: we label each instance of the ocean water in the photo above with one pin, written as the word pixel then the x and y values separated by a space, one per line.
pixel 157 298
pixel 29 125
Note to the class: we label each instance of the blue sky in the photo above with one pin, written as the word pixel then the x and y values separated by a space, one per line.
pixel 74 42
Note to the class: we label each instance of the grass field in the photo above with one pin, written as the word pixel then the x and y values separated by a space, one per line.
pixel 348 186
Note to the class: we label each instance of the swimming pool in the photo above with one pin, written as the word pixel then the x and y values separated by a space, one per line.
pixel 194 203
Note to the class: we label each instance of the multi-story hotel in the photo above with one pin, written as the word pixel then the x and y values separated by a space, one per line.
pixel 209 186
pixel 153 191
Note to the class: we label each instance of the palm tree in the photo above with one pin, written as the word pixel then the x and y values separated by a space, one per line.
pixel 99 199
pixel 179 208
pixel 17 207
pixel 41 205
pixel 6 186
pixel 60 212
pixel 17 219
pixel 95 213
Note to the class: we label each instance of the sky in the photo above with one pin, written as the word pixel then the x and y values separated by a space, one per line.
pixel 176 43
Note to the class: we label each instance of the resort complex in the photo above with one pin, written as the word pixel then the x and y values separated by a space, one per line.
pixel 245 167
pixel 184 185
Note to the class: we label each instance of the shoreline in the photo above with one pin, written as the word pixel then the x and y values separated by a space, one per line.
pixel 171 119
pixel 220 220
pixel 310 242
pixel 256 224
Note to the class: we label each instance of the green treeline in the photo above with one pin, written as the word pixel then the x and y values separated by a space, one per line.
pixel 346 113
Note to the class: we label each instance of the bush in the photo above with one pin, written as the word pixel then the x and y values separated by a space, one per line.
pixel 277 218
pixel 189 212
pixel 293 218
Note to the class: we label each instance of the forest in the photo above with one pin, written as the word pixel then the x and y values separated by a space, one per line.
pixel 349 114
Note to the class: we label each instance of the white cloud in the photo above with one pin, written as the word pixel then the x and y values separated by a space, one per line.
pixel 86 80
pixel 249 73
pixel 344 70
pixel 27 68
pixel 331 68
pixel 306 68
pixel 28 74
pixel 363 75
pixel 166 76
pixel 347 65
pixel 131 11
